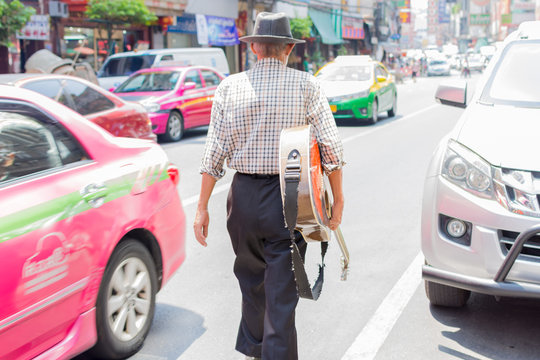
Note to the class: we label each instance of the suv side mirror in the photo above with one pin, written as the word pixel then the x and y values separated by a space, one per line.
pixel 453 93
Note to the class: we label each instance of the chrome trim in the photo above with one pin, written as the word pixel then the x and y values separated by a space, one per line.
pixel 23 314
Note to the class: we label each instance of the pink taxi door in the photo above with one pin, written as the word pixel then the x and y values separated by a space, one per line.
pixel 211 82
pixel 194 105
pixel 52 229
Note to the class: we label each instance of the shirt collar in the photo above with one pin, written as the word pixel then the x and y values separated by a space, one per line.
pixel 269 61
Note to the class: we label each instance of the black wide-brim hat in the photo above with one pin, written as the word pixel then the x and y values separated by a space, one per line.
pixel 271 28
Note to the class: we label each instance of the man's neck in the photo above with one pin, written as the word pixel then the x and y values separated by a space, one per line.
pixel 283 58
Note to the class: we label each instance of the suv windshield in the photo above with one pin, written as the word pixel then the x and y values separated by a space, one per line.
pixel 126 65
pixel 335 72
pixel 515 80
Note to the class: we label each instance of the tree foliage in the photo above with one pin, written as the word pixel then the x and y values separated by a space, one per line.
pixel 301 27
pixel 14 16
pixel 120 12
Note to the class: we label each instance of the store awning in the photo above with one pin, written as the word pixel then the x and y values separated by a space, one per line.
pixel 323 22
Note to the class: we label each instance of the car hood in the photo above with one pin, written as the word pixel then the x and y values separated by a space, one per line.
pixel 505 136
pixel 340 88
pixel 153 96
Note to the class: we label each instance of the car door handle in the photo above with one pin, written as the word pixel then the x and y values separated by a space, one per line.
pixel 94 194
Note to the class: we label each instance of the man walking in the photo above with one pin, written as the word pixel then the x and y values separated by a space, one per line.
pixel 250 109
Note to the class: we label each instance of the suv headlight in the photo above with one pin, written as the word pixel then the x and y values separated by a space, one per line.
pixel 466 169
pixel 151 107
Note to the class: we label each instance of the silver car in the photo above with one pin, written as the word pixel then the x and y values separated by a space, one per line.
pixel 481 207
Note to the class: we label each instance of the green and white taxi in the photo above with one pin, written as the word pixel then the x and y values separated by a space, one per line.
pixel 358 87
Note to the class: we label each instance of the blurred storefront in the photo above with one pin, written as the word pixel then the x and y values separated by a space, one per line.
pixel 208 23
pixel 88 39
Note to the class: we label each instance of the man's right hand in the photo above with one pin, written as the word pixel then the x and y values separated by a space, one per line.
pixel 200 226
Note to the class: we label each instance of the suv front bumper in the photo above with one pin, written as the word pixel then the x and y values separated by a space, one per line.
pixel 477 266
pixel 498 286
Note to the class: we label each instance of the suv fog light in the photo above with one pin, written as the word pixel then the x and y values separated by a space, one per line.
pixel 456 228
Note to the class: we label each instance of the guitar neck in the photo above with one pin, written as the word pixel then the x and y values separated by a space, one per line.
pixel 344 252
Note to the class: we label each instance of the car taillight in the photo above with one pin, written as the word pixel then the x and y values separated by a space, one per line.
pixel 174 174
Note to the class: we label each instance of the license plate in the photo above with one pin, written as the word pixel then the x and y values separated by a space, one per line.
pixel 333 108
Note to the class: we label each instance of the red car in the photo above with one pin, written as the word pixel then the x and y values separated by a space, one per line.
pixel 119 117
pixel 91 228
pixel 176 97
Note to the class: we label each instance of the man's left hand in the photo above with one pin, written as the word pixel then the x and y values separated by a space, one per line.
pixel 200 226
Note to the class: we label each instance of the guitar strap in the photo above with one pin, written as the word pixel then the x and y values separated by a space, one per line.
pixel 290 208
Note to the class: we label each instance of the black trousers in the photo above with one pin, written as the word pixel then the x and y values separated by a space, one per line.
pixel 263 267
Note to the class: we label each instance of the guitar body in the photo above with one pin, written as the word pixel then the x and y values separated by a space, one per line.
pixel 314 205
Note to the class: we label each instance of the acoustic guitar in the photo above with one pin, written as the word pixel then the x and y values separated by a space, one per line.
pixel 301 170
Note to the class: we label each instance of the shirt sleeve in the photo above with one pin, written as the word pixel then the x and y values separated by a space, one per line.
pixel 215 150
pixel 320 116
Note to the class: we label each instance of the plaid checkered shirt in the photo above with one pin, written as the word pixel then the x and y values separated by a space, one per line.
pixel 251 108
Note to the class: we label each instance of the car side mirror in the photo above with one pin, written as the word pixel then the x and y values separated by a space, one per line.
pixel 453 93
pixel 381 79
pixel 188 86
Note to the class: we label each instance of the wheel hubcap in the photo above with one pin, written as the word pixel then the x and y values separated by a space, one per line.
pixel 128 300
pixel 175 126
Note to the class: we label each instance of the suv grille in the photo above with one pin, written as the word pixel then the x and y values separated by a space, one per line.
pixel 531 249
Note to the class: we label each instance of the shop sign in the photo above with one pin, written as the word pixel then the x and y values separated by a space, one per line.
pixel 352 28
pixel 403 4
pixel 444 16
pixel 36 29
pixel 184 24
pixel 481 2
pixel 217 31
pixel 523 5
pixel 479 19
pixel 404 17
pixel 506 19
pixel 76 5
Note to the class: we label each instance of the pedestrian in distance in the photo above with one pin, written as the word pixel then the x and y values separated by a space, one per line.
pixel 415 70
pixel 249 111
pixel 465 70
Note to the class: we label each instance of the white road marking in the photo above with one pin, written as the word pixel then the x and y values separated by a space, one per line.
pixel 377 128
pixel 372 337
pixel 193 199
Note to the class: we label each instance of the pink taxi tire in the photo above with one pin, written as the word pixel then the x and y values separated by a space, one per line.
pixel 126 301
pixel 175 127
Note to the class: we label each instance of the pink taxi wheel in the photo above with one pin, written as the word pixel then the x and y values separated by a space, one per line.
pixel 175 127
pixel 126 301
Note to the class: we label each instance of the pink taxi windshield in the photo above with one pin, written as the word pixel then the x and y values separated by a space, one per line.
pixel 150 81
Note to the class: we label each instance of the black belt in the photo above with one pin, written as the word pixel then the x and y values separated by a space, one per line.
pixel 260 176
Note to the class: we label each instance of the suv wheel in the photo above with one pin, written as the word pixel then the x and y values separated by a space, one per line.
pixel 444 295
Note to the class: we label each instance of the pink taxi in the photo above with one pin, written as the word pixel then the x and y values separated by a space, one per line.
pixel 91 228
pixel 176 97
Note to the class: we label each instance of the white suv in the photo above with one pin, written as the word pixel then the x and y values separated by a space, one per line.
pixel 481 208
